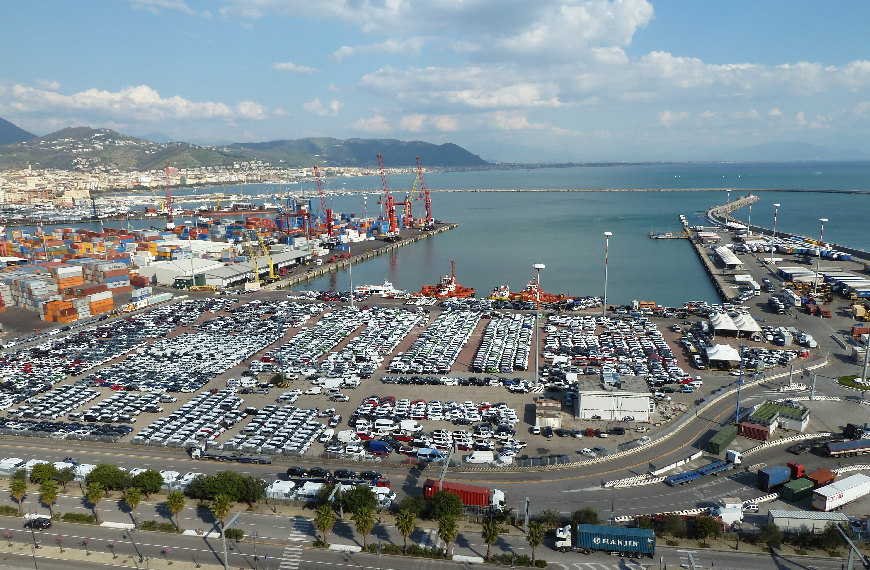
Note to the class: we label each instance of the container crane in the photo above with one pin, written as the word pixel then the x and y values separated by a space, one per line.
pixel 327 212
pixel 389 204
pixel 427 198
pixel 170 223
pixel 272 276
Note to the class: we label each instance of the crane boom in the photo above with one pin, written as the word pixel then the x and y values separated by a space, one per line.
pixel 327 212
pixel 427 198
pixel 170 223
pixel 387 201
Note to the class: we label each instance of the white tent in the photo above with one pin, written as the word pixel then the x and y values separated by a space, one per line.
pixel 747 325
pixel 281 490
pixel 722 324
pixel 722 354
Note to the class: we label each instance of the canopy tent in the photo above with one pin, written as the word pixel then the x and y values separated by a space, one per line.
pixel 722 355
pixel 747 325
pixel 722 324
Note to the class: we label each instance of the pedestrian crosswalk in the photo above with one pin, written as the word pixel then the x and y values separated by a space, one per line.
pixel 301 529
pixel 290 558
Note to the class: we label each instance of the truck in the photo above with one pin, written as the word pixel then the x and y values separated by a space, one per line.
pixel 797 489
pixel 203 452
pixel 773 477
pixel 840 493
pixel 848 448
pixel 379 447
pixel 589 538
pixel 471 495
pixel 478 456
pixel 733 458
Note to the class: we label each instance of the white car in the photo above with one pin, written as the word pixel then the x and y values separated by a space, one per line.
pixel 587 452
pixel 313 391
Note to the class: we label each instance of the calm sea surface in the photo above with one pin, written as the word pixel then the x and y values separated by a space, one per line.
pixel 502 234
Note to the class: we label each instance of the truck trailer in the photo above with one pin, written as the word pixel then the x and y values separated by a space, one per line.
pixel 203 452
pixel 840 493
pixel 848 448
pixel 773 477
pixel 471 495
pixel 589 538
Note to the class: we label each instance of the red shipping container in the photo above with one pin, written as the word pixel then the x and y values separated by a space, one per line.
pixel 822 477
pixel 754 431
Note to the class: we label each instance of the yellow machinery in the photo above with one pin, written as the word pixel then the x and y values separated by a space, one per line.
pixel 272 275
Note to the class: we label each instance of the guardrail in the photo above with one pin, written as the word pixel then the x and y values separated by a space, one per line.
pixel 785 440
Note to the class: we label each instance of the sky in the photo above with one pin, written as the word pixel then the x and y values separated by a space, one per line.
pixel 510 80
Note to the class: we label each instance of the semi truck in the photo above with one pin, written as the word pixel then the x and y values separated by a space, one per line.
pixel 733 458
pixel 841 493
pixel 589 538
pixel 471 495
pixel 203 452
pixel 772 477
pixel 848 448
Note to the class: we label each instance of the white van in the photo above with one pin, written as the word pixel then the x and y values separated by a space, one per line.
pixel 384 425
pixel 410 426
pixel 480 457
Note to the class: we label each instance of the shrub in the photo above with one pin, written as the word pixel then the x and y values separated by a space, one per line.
pixel 167 527
pixel 540 563
pixel 85 518
pixel 672 542
pixel 148 525
pixel 9 511
pixel 234 534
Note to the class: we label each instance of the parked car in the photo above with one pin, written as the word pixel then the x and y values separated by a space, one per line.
pixel 39 523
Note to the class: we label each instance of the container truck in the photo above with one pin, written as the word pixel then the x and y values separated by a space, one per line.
pixel 797 489
pixel 471 495
pixel 588 538
pixel 773 477
pixel 719 442
pixel 822 477
pixel 840 493
pixel 848 448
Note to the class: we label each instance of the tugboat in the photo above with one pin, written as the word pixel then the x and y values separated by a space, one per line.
pixel 447 287
pixel 530 293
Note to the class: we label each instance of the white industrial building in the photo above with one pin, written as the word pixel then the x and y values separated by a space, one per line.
pixel 615 405
pixel 795 521
pixel 164 272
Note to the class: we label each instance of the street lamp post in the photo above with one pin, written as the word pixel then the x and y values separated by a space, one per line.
pixel 773 244
pixel 819 254
pixel 538 267
pixel 606 251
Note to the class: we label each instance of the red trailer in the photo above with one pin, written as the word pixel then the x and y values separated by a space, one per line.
pixel 822 477
pixel 471 495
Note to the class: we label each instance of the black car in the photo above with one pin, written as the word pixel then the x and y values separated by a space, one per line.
pixel 548 432
pixel 562 432
pixel 617 431
pixel 297 472
pixel 319 473
pixel 38 523
pixel 370 475
pixel 344 474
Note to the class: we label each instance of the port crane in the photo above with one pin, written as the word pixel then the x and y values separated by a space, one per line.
pixel 259 238
pixel 389 204
pixel 427 198
pixel 170 223
pixel 327 212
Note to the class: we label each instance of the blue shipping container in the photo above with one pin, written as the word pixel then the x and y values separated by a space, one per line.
pixel 615 538
pixel 773 477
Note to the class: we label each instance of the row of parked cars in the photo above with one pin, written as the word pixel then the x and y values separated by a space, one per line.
pixel 435 350
pixel 506 342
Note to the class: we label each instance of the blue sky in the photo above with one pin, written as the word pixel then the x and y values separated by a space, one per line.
pixel 510 80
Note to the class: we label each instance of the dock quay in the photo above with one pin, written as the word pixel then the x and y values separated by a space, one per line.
pixel 306 276
pixel 668 235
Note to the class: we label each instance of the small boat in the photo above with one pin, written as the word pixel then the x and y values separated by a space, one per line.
pixel 447 287
pixel 386 290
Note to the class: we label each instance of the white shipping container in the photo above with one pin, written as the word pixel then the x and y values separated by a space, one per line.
pixel 840 493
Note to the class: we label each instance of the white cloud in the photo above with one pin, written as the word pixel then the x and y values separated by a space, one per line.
pixel 49 84
pixel 800 119
pixel 511 121
pixel 671 118
pixel 862 109
pixel 293 68
pixel 318 108
pixel 446 123
pixel 157 6
pixel 413 123
pixel 774 113
pixel 130 103
pixel 411 45
pixel 376 124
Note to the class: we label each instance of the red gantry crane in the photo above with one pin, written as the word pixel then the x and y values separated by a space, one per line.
pixel 389 203
pixel 427 198
pixel 327 212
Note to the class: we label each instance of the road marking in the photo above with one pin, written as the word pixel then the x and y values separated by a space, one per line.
pixel 290 558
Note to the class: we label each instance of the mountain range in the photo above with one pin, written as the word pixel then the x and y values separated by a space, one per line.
pixel 88 149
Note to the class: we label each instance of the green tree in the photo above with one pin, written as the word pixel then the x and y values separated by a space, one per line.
pixel 133 496
pixel 405 522
pixel 447 530
pixel 446 505
pixel 175 503
pixel 64 476
pixel 95 494
pixel 48 494
pixel 706 526
pixel 830 538
pixel 42 472
pixel 220 507
pixel 413 503
pixel 364 520
pixel 20 474
pixel 111 477
pixel 771 535
pixel 803 538
pixel 324 520
pixel 550 518
pixel 489 531
pixel 252 491
pixel 358 498
pixel 675 525
pixel 535 537
pixel 149 481
pixel 586 515
pixel 18 490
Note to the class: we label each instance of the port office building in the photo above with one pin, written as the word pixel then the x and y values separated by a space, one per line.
pixel 616 398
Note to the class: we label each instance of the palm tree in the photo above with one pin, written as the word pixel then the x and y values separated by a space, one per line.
pixel 364 520
pixel 535 537
pixel 405 522
pixel 133 496
pixel 324 520
pixel 220 508
pixel 95 494
pixel 489 531
pixel 175 502
pixel 18 490
pixel 447 530
pixel 48 494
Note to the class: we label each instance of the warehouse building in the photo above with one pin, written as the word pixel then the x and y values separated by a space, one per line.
pixel 627 400
pixel 795 521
